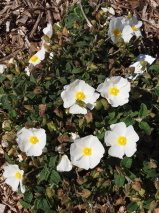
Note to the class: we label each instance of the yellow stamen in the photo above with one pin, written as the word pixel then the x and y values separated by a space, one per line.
pixel 114 91
pixel 87 151
pixel 116 32
pixel 34 58
pixel 33 140
pixel 18 175
pixel 122 140
pixel 134 28
pixel 80 96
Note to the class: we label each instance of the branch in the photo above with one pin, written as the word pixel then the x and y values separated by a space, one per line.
pixel 88 22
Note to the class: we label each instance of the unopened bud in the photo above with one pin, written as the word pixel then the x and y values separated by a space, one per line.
pixel 136 186
pixel 65 31
pixel 49 192
pixel 153 204
pixel 80 180
pixel 129 15
pixel 86 193
pixel 152 165
pixel 135 198
pixel 157 184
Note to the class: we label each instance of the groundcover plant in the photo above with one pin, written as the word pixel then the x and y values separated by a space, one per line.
pixel 87 134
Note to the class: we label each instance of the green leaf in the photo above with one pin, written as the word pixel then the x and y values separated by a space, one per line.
pixel 63 80
pixel 12 113
pixel 132 207
pixel 52 161
pixel 31 96
pixel 142 111
pixel 127 162
pixel 5 102
pixel 55 177
pixel 8 159
pixel 157 91
pixel 144 125
pixel 24 204
pixel 154 67
pixel 128 121
pixel 28 196
pixel 44 174
pixel 119 179
pixel 2 78
pixel 44 204
pixel 82 43
pixel 77 70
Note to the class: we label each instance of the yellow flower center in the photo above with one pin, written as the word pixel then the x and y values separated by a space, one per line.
pixel 33 140
pixel 87 151
pixel 134 28
pixel 114 91
pixel 34 58
pixel 80 96
pixel 18 175
pixel 116 32
pixel 122 140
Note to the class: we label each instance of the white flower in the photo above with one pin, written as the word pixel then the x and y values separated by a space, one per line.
pixel 108 9
pixel 122 140
pixel 14 176
pixel 64 164
pixel 38 57
pixel 2 68
pixel 135 25
pixel 116 90
pixel 27 71
pixel 51 55
pixel 119 28
pixel 79 90
pixel 86 152
pixel 20 159
pixel 32 141
pixel 4 144
pixel 48 30
pixel 74 136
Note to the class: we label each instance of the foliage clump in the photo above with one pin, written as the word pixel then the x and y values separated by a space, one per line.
pixel 86 53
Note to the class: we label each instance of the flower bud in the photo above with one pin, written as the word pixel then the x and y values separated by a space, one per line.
pixel 119 201
pixel 136 186
pixel 157 196
pixel 29 107
pixel 98 105
pixel 86 193
pixel 65 32
pixel 143 63
pixel 106 183
pixel 10 77
pixel 135 198
pixel 11 152
pixel 46 38
pixel 37 90
pixel 76 24
pixel 51 126
pixel 80 180
pixel 91 66
pixel 88 117
pixel 153 204
pixel 157 184
pixel 152 165
pixel 129 15
pixel 49 192
pixel 105 103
